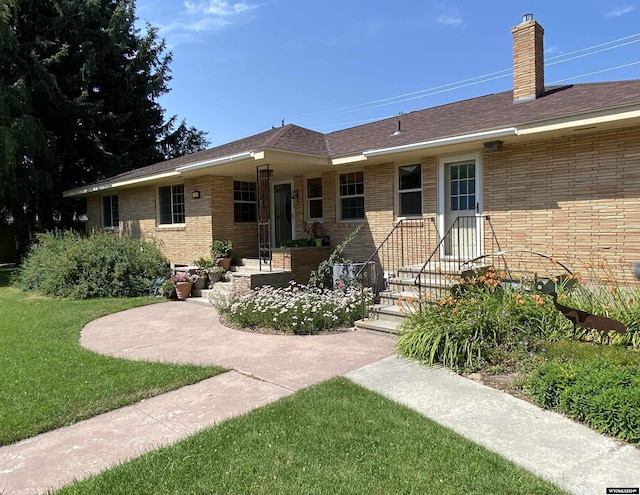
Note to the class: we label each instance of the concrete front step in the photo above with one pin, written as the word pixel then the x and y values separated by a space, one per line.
pixel 377 326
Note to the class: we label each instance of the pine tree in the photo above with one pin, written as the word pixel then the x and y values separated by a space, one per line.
pixel 79 86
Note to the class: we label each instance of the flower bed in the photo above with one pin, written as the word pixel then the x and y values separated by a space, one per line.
pixel 296 309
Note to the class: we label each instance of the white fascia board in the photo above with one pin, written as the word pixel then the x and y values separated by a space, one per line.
pixel 79 191
pixel 465 138
pixel 103 186
pixel 216 161
pixel 348 159
pixel 600 118
pixel 138 180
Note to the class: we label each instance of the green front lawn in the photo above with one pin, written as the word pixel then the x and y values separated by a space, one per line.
pixel 48 380
pixel 335 437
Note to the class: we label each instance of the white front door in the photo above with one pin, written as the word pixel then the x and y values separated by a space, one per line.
pixel 460 206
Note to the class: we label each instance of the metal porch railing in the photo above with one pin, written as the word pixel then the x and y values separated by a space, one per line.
pixel 408 243
pixel 465 240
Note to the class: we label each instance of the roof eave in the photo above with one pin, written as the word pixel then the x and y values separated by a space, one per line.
pixel 585 119
pixel 450 140
pixel 112 184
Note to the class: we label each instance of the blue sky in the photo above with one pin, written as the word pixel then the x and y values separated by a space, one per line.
pixel 241 66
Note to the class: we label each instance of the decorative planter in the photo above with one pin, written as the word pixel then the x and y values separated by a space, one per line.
pixel 200 283
pixel 318 241
pixel 215 276
pixel 225 263
pixel 183 290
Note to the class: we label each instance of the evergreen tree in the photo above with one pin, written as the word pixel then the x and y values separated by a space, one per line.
pixel 79 86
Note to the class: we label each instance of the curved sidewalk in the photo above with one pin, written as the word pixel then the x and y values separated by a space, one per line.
pixel 264 368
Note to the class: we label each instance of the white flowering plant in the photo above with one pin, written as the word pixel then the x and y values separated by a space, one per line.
pixel 298 309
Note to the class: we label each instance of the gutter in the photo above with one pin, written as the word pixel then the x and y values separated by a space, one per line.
pixel 172 173
pixel 465 138
pixel 216 161
pixel 103 186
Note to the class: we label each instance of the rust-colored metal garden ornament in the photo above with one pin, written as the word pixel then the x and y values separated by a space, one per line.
pixel 583 319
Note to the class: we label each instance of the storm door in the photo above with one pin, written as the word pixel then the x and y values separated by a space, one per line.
pixel 282 213
pixel 461 208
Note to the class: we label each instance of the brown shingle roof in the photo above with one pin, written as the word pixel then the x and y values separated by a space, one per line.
pixel 290 138
pixel 493 111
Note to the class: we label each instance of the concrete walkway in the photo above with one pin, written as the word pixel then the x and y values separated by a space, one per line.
pixel 265 369
pixel 269 367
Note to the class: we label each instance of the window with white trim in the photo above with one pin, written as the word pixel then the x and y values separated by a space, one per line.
pixel 171 200
pixel 110 214
pixel 314 198
pixel 245 201
pixel 410 190
pixel 351 191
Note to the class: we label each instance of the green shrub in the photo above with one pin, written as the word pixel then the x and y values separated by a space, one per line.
pixel 486 325
pixel 602 395
pixel 65 264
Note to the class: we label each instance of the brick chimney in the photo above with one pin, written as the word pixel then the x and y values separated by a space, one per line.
pixel 528 60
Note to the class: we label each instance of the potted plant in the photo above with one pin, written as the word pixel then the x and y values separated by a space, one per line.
pixel 215 273
pixel 221 251
pixel 168 289
pixel 313 233
pixel 183 283
pixel 202 278
pixel 211 268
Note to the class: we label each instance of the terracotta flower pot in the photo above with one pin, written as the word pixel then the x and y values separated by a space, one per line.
pixel 225 263
pixel 183 290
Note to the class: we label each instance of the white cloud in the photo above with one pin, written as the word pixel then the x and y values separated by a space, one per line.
pixel 450 16
pixel 199 17
pixel 219 8
pixel 620 10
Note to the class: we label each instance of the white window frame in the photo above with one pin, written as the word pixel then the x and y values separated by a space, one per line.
pixel 244 201
pixel 349 196
pixel 113 225
pixel 173 223
pixel 309 199
pixel 399 191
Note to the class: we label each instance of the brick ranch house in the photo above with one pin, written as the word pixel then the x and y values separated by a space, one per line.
pixel 552 169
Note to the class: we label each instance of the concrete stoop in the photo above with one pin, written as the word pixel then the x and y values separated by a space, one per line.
pixel 400 299
pixel 245 273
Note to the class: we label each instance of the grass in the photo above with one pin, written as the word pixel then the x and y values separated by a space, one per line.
pixel 335 437
pixel 48 380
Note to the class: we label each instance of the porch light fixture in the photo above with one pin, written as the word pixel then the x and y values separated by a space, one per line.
pixel 295 195
pixel 195 194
